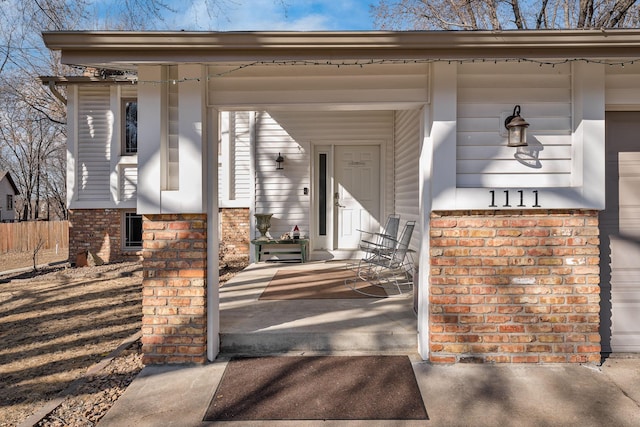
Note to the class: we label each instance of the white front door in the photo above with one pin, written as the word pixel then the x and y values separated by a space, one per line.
pixel 356 197
pixel 620 236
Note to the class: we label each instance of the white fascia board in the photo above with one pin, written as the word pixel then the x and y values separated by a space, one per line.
pixel 127 49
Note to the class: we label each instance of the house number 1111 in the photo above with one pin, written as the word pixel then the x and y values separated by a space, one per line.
pixel 519 197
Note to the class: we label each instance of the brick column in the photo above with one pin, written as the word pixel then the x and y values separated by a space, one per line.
pixel 234 233
pixel 174 289
pixel 515 286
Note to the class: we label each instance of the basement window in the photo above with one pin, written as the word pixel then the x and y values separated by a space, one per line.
pixel 132 230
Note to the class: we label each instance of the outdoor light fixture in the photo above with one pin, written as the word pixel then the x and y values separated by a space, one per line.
pixel 279 162
pixel 517 127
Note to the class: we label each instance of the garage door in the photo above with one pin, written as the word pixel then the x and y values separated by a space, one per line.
pixel 620 236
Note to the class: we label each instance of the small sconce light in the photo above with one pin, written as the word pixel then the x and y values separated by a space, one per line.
pixel 279 162
pixel 517 127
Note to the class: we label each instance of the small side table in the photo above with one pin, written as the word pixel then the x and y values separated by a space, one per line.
pixel 301 248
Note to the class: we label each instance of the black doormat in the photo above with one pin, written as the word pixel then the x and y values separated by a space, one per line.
pixel 318 388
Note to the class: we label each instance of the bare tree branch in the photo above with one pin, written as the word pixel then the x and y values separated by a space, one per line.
pixel 541 20
pixel 586 13
pixel 505 14
pixel 616 15
pixel 517 17
pixel 32 122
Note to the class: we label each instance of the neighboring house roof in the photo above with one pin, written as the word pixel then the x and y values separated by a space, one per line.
pixel 127 49
pixel 7 175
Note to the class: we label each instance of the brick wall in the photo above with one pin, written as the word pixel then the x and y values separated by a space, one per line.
pixel 98 231
pixel 515 286
pixel 234 233
pixel 174 289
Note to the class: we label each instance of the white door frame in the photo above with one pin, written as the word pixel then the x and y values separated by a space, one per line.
pixel 328 147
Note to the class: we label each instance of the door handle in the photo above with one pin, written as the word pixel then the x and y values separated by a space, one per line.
pixel 336 201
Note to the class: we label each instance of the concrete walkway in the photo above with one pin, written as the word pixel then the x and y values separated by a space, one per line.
pixel 454 395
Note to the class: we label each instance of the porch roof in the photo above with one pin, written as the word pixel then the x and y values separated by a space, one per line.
pixel 127 49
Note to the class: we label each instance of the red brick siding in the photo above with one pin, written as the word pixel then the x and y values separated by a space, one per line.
pixel 174 289
pixel 234 233
pixel 98 231
pixel 515 286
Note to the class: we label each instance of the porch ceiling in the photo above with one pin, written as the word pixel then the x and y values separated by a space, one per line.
pixel 115 49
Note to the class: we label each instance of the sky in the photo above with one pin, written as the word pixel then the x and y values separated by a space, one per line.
pixel 280 15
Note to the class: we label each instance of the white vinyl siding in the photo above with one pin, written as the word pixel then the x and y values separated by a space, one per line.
pixel 623 87
pixel 292 133
pixel 102 176
pixel 7 199
pixel 238 160
pixel 280 192
pixel 486 93
pixel 128 182
pixel 407 162
pixel 95 136
pixel 309 84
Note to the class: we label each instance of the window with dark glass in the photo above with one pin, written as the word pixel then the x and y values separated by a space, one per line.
pixel 322 203
pixel 130 126
pixel 132 230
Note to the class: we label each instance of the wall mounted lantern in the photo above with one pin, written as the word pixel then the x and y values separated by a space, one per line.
pixel 517 127
pixel 279 162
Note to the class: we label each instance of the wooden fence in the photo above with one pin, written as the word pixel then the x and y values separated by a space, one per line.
pixel 26 236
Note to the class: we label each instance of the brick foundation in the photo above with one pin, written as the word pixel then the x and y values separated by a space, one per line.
pixel 234 233
pixel 174 289
pixel 515 287
pixel 98 231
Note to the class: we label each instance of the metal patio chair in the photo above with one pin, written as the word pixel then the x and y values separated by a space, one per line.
pixel 387 267
pixel 372 242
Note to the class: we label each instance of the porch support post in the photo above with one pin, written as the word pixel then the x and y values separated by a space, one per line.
pixel 151 122
pixel 213 278
pixel 426 157
pixel 438 140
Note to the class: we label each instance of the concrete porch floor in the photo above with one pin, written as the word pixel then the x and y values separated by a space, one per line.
pixel 249 326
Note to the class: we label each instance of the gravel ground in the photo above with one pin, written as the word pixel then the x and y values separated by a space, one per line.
pixel 97 392
pixel 59 329
pixel 21 260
